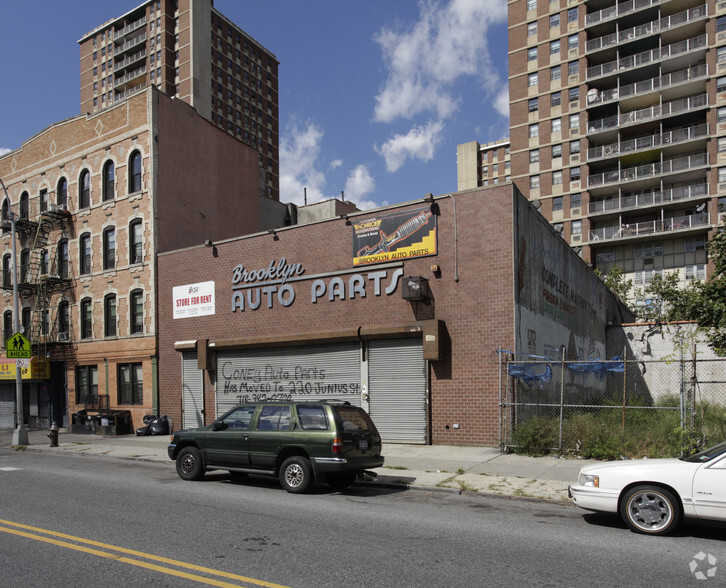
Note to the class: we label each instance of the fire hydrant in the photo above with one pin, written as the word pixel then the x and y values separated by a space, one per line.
pixel 53 434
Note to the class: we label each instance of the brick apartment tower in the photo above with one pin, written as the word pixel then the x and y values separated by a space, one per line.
pixel 616 117
pixel 190 51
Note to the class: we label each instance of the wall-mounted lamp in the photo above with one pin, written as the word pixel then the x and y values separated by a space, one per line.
pixel 429 197
pixel 536 204
pixel 345 216
pixel 208 243
pixel 415 288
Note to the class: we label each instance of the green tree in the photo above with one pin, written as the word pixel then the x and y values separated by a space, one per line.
pixel 702 302
pixel 615 280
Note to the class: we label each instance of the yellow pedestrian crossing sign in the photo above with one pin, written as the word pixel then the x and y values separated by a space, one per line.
pixel 18 347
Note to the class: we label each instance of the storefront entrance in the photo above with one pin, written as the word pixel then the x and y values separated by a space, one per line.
pixel 386 377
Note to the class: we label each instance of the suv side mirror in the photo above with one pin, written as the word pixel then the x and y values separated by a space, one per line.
pixel 219 426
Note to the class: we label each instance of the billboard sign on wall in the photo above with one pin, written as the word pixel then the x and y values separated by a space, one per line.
pixel 193 300
pixel 394 236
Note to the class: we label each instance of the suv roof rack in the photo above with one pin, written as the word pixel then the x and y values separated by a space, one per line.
pixel 335 401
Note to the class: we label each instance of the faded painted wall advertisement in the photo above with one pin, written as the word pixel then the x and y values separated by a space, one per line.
pixel 393 236
pixel 193 300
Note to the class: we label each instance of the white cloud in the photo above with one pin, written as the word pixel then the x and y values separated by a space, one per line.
pixel 359 183
pixel 419 143
pixel 426 59
pixel 4 151
pixel 299 151
pixel 501 102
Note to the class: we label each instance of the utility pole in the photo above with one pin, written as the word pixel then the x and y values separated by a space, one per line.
pixel 20 435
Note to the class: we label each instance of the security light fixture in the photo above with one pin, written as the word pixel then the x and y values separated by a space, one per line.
pixel 415 288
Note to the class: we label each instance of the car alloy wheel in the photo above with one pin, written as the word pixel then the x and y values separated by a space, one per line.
pixel 650 510
pixel 296 474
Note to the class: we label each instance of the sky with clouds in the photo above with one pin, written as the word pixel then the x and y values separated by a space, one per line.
pixel 374 96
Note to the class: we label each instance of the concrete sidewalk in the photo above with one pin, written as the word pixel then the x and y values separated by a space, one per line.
pixel 467 469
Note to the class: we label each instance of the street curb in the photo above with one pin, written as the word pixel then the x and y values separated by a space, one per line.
pixel 364 483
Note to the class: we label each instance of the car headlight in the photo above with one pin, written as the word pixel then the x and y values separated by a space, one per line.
pixel 589 480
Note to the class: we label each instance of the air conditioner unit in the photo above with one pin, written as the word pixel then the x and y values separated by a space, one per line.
pixel 52 208
pixel 62 336
pixel 62 208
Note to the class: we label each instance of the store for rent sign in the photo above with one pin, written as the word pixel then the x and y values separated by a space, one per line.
pixel 276 283
pixel 193 300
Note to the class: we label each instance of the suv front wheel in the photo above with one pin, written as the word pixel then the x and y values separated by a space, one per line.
pixel 189 464
pixel 296 474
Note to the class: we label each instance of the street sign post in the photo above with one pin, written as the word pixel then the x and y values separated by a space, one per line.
pixel 18 347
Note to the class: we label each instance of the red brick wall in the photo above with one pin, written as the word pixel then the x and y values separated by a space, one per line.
pixel 207 180
pixel 477 309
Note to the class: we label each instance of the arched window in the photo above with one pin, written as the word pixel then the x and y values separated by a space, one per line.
pixel 5 216
pixel 25 319
pixel 7 271
pixel 44 262
pixel 135 172
pixel 109 315
pixel 64 321
pixel 86 319
pixel 136 242
pixel 8 325
pixel 24 206
pixel 24 266
pixel 84 260
pixel 45 324
pixel 61 193
pixel 44 200
pixel 136 312
pixel 84 189
pixel 62 259
pixel 109 248
pixel 109 178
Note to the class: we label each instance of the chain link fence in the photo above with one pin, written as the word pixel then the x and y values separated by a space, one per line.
pixel 611 409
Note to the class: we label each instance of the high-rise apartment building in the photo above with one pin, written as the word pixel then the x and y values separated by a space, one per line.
pixel 190 51
pixel 616 117
pixel 482 165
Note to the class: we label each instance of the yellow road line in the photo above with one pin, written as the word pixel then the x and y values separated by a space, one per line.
pixel 130 561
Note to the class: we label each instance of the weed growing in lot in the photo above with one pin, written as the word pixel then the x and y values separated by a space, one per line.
pixel 609 432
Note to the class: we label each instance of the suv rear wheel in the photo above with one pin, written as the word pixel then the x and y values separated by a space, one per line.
pixel 296 474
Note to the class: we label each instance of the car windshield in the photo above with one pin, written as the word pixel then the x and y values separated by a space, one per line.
pixel 707 454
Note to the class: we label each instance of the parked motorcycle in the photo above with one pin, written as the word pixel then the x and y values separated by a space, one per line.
pixel 153 425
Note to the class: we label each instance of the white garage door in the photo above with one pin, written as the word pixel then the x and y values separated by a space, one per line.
pixel 193 391
pixel 289 373
pixel 397 390
pixel 7 406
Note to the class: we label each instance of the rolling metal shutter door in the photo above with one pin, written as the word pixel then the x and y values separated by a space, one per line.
pixel 193 391
pixel 289 373
pixel 7 406
pixel 397 390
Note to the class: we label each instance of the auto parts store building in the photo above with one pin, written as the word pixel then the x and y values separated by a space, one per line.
pixel 400 310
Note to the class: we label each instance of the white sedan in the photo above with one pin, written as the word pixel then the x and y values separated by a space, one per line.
pixel 654 495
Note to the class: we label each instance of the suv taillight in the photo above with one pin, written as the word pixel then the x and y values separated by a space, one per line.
pixel 338 445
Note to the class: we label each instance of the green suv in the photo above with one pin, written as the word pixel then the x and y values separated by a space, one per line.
pixel 299 442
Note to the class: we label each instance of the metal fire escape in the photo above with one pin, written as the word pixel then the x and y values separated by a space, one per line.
pixel 43 276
